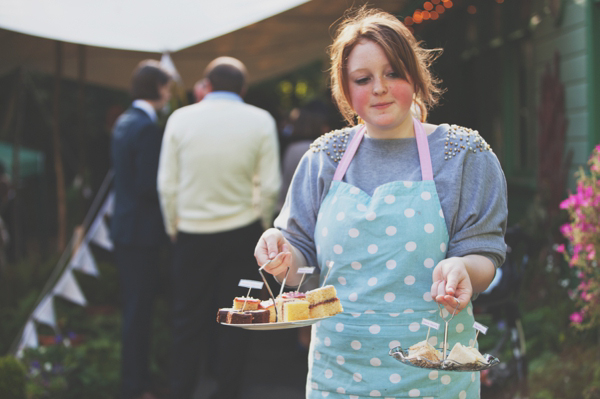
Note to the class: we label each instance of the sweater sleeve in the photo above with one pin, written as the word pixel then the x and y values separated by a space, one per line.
pixel 168 178
pixel 480 222
pixel 298 216
pixel 268 172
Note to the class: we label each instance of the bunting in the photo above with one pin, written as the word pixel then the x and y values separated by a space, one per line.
pixel 68 288
pixel 99 233
pixel 44 313
pixel 84 261
pixel 29 338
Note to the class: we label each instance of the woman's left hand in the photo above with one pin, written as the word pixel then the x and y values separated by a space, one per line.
pixel 451 281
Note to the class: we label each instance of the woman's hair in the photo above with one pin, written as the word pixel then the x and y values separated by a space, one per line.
pixel 147 77
pixel 406 56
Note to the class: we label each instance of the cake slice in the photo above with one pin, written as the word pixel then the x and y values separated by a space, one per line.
pixel 465 354
pixel 294 310
pixel 233 316
pixel 268 305
pixel 424 350
pixel 323 302
pixel 259 316
pixel 293 295
pixel 246 303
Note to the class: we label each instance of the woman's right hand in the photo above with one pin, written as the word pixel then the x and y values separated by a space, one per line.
pixel 273 250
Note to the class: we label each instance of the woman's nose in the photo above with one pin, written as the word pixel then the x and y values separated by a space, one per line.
pixel 379 86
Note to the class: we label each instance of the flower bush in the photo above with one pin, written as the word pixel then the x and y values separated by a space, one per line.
pixel 583 235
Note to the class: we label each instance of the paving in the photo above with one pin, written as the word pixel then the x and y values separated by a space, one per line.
pixel 276 368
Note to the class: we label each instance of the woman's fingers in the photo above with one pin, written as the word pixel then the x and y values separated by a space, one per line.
pixel 267 247
pixel 279 264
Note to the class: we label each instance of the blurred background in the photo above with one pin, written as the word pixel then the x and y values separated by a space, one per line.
pixel 524 73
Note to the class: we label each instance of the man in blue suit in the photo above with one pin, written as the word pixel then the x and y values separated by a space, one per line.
pixel 137 228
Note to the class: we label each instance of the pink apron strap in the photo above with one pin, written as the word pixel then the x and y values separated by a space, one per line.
pixel 422 146
pixel 348 155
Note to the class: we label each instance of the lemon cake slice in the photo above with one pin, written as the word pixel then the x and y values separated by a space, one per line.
pixel 323 302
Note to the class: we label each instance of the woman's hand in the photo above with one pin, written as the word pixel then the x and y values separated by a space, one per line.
pixel 275 251
pixel 451 281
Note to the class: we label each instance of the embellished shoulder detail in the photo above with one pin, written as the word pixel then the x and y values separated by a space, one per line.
pixel 333 143
pixel 460 139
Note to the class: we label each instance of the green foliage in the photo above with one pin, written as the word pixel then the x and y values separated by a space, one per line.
pixel 87 370
pixel 574 373
pixel 583 235
pixel 19 290
pixel 12 378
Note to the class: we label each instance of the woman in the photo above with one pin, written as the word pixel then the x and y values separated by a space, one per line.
pixel 409 213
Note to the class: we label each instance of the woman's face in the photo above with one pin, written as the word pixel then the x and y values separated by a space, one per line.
pixel 377 93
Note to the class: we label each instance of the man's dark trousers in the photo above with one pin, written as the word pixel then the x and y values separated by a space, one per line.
pixel 205 275
pixel 139 276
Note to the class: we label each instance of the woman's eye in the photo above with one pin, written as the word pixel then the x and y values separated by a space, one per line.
pixel 393 75
pixel 361 81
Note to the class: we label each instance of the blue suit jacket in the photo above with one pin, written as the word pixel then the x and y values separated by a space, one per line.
pixel 135 150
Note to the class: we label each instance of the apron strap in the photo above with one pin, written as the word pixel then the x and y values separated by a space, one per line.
pixel 348 155
pixel 422 145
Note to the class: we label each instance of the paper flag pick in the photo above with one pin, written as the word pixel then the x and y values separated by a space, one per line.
pixel 44 313
pixel 99 233
pixel 251 284
pixel 84 261
pixel 68 288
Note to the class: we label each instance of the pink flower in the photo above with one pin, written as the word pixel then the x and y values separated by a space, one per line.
pixel 566 203
pixel 591 255
pixel 566 230
pixel 560 248
pixel 576 317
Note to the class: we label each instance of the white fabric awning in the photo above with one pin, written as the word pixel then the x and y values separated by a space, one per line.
pixel 140 25
pixel 271 37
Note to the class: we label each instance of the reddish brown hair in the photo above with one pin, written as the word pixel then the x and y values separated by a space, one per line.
pixel 406 56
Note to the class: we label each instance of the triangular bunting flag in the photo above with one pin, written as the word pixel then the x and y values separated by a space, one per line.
pixel 84 261
pixel 68 288
pixel 99 233
pixel 109 204
pixel 167 62
pixel 44 313
pixel 29 338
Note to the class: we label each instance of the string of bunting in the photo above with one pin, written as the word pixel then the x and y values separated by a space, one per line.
pixel 63 282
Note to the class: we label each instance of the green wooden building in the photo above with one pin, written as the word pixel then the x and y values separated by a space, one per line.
pixel 525 73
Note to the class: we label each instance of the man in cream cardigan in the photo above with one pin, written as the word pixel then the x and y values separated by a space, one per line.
pixel 218 180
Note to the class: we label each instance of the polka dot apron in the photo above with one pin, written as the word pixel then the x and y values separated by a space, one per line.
pixel 384 248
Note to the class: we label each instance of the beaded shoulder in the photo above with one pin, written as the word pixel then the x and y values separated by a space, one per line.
pixel 460 138
pixel 333 143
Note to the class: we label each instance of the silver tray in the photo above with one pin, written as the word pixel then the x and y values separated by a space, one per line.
pixel 278 325
pixel 402 356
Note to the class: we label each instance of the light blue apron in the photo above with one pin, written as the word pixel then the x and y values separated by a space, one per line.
pixel 384 248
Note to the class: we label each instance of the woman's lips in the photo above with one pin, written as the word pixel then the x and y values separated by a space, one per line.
pixel 381 105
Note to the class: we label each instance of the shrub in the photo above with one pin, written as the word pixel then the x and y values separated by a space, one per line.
pixel 12 378
pixel 583 235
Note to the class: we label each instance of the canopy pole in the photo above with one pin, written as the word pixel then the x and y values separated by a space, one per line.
pixel 58 165
pixel 16 162
pixel 81 127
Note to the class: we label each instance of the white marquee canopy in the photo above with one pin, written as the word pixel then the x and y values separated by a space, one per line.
pixel 270 36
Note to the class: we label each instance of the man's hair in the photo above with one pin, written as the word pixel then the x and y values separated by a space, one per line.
pixel 226 74
pixel 147 77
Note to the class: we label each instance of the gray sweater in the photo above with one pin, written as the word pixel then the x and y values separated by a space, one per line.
pixel 468 177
